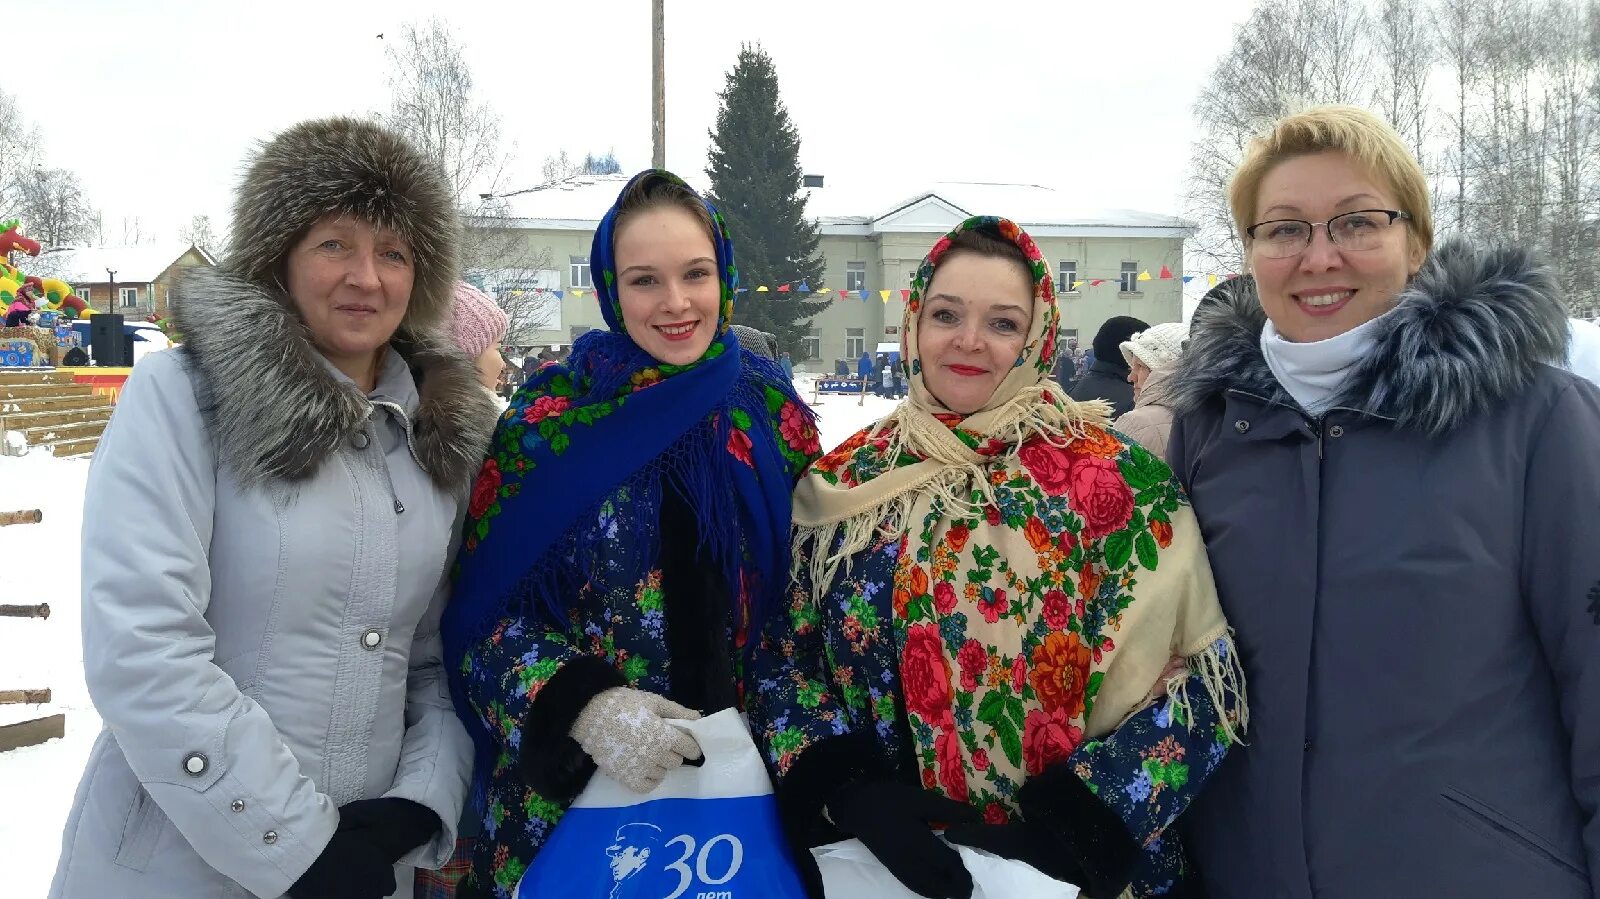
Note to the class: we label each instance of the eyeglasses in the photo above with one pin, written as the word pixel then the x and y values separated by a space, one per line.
pixel 1359 230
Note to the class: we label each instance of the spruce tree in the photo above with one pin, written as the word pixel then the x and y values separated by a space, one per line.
pixel 755 183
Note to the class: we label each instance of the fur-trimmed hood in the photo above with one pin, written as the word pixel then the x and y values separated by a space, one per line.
pixel 275 409
pixel 1469 331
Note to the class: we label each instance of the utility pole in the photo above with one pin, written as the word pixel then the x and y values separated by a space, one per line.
pixel 658 107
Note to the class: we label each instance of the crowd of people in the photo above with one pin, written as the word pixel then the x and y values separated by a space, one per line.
pixel 1290 602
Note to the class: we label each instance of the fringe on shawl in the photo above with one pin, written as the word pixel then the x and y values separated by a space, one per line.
pixel 1042 410
pixel 1218 667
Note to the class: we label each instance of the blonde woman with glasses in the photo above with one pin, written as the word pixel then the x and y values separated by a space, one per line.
pixel 1398 487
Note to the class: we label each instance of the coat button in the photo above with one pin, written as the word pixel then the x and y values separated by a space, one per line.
pixel 270 837
pixel 1241 426
pixel 1336 431
pixel 371 639
pixel 359 440
pixel 194 764
pixel 238 805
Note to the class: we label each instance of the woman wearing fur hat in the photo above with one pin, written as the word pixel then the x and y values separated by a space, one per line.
pixel 1398 486
pixel 1002 613
pixel 1151 355
pixel 270 514
pixel 627 533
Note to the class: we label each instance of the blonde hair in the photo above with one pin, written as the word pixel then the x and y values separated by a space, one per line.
pixel 1368 140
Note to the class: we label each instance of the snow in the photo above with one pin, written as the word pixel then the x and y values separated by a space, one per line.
pixel 41 566
pixel 840 415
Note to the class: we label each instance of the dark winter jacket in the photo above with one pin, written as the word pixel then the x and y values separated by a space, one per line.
pixel 1106 379
pixel 1415 583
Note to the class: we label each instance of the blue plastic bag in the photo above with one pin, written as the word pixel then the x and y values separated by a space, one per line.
pixel 708 832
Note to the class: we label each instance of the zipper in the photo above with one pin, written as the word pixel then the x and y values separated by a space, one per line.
pixel 383 460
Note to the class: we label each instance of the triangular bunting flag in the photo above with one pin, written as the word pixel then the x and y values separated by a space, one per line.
pixel 1211 280
pixel 744 290
pixel 1097 282
pixel 804 287
pixel 905 295
pixel 1144 275
pixel 1075 285
pixel 559 294
pixel 783 288
pixel 1188 278
pixel 578 294
pixel 761 289
pixel 884 294
pixel 1166 274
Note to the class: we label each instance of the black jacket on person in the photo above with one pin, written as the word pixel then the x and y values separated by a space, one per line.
pixel 1105 380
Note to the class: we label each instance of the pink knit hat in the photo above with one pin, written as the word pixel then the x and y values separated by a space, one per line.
pixel 476 322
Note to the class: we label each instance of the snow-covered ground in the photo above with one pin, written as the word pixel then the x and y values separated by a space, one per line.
pixel 39 564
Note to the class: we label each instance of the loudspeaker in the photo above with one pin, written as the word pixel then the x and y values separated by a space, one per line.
pixel 105 339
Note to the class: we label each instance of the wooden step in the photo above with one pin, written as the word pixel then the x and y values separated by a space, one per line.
pixel 22 421
pixel 16 376
pixel 28 391
pixel 50 403
pixel 72 449
pixel 48 435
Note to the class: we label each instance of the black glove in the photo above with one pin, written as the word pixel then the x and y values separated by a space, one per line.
pixel 350 867
pixel 393 826
pixel 1020 842
pixel 892 819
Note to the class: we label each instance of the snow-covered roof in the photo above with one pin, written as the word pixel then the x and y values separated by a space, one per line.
pixel 580 200
pixel 87 265
pixel 1042 210
pixel 578 203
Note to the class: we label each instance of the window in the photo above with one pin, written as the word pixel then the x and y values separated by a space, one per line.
pixel 855 342
pixel 83 294
pixel 1067 275
pixel 579 275
pixel 855 276
pixel 129 296
pixel 810 346
pixel 1130 277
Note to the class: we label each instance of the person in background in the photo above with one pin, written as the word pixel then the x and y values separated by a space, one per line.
pixel 1151 355
pixel 272 512
pixel 787 364
pixel 478 324
pixel 1066 368
pixel 1106 378
pixel 864 369
pixel 885 377
pixel 1398 486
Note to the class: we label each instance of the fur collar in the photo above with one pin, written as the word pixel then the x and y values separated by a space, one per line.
pixel 275 410
pixel 1470 330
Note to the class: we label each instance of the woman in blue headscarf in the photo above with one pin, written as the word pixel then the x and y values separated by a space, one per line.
pixel 628 531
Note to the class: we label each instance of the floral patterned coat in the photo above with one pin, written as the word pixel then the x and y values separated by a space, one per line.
pixel 832 689
pixel 529 679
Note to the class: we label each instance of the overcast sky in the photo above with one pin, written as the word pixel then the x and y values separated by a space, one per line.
pixel 155 104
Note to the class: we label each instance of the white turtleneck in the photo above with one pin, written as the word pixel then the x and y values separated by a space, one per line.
pixel 1313 372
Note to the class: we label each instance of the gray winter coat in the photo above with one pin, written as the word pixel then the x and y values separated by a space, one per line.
pixel 1415 583
pixel 263 576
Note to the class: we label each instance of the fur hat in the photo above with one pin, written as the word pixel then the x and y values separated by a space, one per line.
pixel 476 322
pixel 1159 347
pixel 350 167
